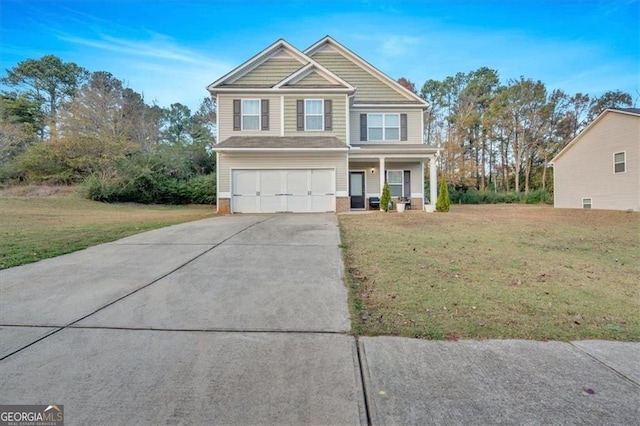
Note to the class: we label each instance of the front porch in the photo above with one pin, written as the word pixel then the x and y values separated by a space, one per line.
pixel 371 167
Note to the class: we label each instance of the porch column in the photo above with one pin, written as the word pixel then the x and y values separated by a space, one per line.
pixel 433 181
pixel 382 173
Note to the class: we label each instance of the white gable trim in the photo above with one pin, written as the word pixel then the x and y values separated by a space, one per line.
pixel 364 65
pixel 584 132
pixel 308 69
pixel 258 59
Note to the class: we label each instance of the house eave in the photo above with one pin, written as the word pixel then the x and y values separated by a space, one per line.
pixel 223 149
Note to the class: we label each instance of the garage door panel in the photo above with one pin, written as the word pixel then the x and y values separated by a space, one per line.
pixel 270 191
pixel 297 182
pixel 321 182
pixel 270 182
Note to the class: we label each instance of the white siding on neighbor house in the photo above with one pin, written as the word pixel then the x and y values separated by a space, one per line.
pixel 270 72
pixel 414 124
pixel 586 169
pixel 229 161
pixel 368 87
pixel 339 116
pixel 225 116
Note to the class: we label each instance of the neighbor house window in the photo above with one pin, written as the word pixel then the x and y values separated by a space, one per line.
pixel 619 164
pixel 586 203
pixel 251 114
pixel 383 127
pixel 313 114
pixel 395 182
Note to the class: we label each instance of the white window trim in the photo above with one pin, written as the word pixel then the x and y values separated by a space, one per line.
pixel 590 203
pixel 242 114
pixel 314 115
pixel 624 153
pixel 401 181
pixel 384 127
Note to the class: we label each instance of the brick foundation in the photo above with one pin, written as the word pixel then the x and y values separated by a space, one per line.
pixel 416 204
pixel 224 206
pixel 343 204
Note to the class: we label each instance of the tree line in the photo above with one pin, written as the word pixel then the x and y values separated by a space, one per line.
pixel 500 136
pixel 60 123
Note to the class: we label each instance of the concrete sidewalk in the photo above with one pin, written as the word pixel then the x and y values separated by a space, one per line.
pixel 244 320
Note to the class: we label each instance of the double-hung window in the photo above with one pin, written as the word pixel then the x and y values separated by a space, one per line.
pixel 619 162
pixel 313 114
pixel 383 127
pixel 395 182
pixel 251 114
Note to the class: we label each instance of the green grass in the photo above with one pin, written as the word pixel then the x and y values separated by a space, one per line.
pixel 35 227
pixel 495 271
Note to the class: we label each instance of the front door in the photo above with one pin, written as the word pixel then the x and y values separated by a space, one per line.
pixel 356 189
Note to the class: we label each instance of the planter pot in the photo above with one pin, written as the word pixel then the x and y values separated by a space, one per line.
pixel 430 208
pixel 400 207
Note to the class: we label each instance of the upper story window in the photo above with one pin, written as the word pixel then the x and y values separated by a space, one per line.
pixel 251 114
pixel 383 127
pixel 313 114
pixel 619 162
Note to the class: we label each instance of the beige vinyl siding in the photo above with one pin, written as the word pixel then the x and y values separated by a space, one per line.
pixel 230 161
pixel 585 170
pixel 269 73
pixel 368 87
pixel 313 79
pixel 339 116
pixel 225 116
pixel 414 124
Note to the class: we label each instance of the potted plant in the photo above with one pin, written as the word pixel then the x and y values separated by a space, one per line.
pixel 400 205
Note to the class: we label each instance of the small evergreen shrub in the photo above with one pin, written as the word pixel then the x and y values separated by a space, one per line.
pixel 385 199
pixel 442 205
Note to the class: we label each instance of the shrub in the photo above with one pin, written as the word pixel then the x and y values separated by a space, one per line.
pixel 442 205
pixel 385 199
pixel 538 196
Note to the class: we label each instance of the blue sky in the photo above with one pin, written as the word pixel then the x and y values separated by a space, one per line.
pixel 170 50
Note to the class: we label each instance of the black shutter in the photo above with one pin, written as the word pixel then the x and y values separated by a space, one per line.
pixel 328 120
pixel 265 114
pixel 236 115
pixel 363 127
pixel 403 127
pixel 407 182
pixel 300 114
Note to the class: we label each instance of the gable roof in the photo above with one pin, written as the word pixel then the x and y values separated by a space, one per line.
pixel 277 48
pixel 311 67
pixel 627 111
pixel 327 40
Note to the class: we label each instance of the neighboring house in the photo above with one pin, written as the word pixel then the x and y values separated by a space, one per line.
pixel 316 130
pixel 600 168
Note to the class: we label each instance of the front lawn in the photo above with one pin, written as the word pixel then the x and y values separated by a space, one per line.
pixel 41 222
pixel 495 271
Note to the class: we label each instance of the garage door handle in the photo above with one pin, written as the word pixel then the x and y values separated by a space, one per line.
pixel 329 193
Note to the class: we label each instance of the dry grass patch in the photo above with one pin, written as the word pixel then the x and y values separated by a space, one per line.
pixel 495 271
pixel 41 222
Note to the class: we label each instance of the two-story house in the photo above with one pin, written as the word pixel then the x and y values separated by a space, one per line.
pixel 318 130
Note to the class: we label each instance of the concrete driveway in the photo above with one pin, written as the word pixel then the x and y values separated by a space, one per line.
pixel 244 320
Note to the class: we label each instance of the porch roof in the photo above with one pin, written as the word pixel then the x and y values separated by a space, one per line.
pixel 377 150
pixel 281 143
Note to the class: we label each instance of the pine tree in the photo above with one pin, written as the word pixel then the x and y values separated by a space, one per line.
pixel 442 205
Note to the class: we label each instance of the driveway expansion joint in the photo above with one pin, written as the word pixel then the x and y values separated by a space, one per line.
pixel 601 362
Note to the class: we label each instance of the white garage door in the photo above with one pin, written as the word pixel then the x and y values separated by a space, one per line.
pixel 270 191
